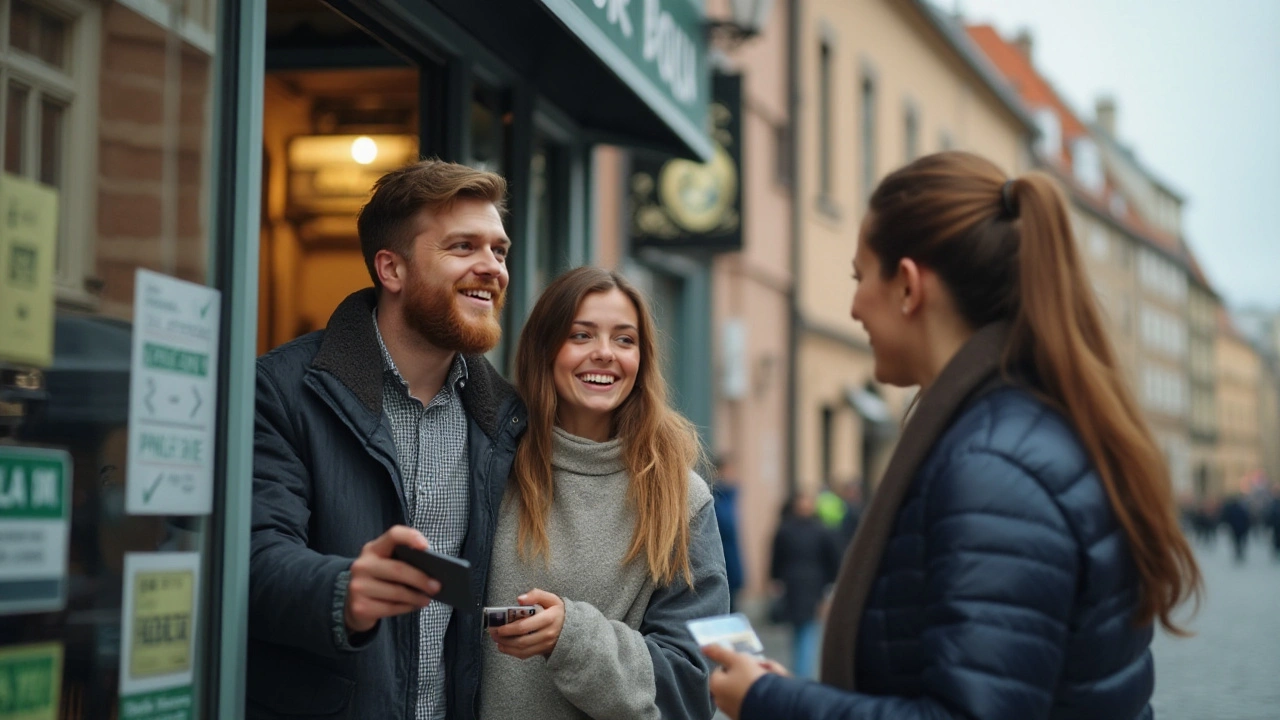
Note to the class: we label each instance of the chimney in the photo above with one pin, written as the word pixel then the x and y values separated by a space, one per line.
pixel 1104 112
pixel 1024 43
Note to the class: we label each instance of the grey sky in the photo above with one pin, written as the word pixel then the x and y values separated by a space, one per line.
pixel 1197 86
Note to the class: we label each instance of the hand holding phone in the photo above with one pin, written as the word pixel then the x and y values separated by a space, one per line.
pixel 499 616
pixel 453 575
pixel 536 634
pixel 383 587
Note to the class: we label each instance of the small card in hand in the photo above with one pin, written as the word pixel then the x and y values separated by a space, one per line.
pixel 732 631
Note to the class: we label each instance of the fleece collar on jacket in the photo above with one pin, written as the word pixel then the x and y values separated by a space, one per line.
pixel 969 374
pixel 349 351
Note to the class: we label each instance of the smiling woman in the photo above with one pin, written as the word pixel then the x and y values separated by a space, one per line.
pixel 603 451
pixel 596 367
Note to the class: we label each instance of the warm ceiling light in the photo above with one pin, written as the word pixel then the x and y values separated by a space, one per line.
pixel 364 150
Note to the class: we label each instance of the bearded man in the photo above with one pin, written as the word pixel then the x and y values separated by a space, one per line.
pixel 387 428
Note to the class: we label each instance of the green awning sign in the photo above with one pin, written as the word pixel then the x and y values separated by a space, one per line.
pixel 35 522
pixel 658 48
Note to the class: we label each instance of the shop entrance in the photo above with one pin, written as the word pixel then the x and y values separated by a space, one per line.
pixel 340 111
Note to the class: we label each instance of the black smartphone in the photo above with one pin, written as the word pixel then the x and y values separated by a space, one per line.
pixel 453 574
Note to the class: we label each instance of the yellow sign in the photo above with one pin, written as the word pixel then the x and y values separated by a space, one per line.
pixel 28 242
pixel 30 681
pixel 163 601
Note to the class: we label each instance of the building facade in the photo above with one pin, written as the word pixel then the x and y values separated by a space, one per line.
pixel 1239 367
pixel 879 82
pixel 715 262
pixel 180 182
pixel 1158 305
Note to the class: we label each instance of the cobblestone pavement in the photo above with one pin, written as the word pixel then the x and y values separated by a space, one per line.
pixel 1230 670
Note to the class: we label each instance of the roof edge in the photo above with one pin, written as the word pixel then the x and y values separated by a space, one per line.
pixel 978 63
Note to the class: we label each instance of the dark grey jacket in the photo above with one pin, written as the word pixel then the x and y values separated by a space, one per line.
pixel 326 481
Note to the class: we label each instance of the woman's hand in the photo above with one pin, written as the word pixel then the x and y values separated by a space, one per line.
pixel 735 676
pixel 535 635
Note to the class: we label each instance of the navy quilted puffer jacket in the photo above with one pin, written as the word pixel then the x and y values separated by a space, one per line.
pixel 1006 591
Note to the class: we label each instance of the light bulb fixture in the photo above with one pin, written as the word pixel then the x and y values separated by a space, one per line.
pixel 364 150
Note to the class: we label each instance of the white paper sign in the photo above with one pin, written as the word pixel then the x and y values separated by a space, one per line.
pixel 172 396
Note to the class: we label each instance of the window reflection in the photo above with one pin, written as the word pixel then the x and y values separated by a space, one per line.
pixel 489 122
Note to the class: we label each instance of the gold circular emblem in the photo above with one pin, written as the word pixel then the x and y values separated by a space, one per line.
pixel 696 195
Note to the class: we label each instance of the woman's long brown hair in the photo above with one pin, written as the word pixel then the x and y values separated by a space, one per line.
pixel 1007 253
pixel 660 447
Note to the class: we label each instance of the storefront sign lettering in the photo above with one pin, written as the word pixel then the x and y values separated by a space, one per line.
pixel 657 47
pixel 669 46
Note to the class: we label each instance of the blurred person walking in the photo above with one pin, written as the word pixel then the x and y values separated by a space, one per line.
pixel 805 560
pixel 1235 515
pixel 604 523
pixel 1024 540
pixel 724 490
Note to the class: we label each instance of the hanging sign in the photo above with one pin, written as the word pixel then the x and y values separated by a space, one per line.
pixel 678 203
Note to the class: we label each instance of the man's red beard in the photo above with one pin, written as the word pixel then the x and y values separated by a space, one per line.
pixel 434 312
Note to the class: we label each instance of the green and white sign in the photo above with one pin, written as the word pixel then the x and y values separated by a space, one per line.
pixel 30 681
pixel 35 522
pixel 658 48
pixel 172 396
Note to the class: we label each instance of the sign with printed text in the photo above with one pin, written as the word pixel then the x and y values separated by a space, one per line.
pixel 30 681
pixel 157 650
pixel 35 523
pixel 172 396
pixel 657 47
pixel 28 242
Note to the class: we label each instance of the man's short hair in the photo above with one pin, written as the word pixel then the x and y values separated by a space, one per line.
pixel 386 221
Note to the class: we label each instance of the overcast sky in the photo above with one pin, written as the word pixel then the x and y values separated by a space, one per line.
pixel 1197 87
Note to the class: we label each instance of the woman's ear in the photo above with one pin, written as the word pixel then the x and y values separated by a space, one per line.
pixel 911 285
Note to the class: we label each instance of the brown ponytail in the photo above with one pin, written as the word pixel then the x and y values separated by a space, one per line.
pixel 1007 253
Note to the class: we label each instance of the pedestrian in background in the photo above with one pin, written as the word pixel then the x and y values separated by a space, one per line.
pixel 805 559
pixel 1024 539
pixel 1235 515
pixel 604 524
pixel 725 491
pixel 387 428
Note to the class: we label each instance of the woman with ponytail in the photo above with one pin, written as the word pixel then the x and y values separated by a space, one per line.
pixel 1023 542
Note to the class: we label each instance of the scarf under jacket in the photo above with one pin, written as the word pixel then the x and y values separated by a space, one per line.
pixel 973 371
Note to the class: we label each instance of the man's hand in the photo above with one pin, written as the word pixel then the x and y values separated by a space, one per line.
pixel 735 676
pixel 535 635
pixel 381 586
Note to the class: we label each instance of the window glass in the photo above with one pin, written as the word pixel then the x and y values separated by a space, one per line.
pixel 51 142
pixel 38 32
pixel 107 183
pixel 490 119
pixel 15 127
